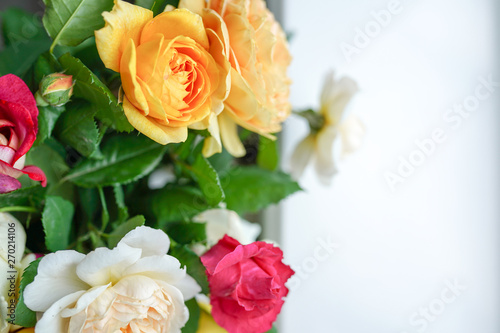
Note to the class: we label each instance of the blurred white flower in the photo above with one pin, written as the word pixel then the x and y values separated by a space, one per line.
pixel 328 125
pixel 220 222
pixel 12 246
pixel 135 287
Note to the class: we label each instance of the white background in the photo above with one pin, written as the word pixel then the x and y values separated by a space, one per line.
pixel 397 248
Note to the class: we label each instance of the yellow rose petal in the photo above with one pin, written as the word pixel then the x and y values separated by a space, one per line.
pixel 125 21
pixel 196 6
pixel 130 85
pixel 180 22
pixel 150 128
pixel 229 135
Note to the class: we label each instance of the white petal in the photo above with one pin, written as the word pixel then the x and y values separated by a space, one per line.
pixel 150 241
pixel 325 165
pixel 352 133
pixel 55 279
pixel 301 156
pixel 180 314
pixel 220 222
pixel 16 234
pixel 103 265
pixel 51 321
pixel 84 301
pixel 165 268
pixel 188 287
pixel 335 97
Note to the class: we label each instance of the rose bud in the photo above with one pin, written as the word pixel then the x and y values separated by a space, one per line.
pixel 55 89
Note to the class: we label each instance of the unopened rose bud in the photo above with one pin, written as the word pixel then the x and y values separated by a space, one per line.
pixel 55 89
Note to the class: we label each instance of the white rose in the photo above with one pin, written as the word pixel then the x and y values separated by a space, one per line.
pixel 319 146
pixel 12 265
pixel 220 222
pixel 135 287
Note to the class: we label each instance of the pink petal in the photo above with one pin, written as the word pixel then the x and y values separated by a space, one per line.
pixel 8 184
pixel 24 127
pixel 7 154
pixel 36 174
pixel 8 170
pixel 14 90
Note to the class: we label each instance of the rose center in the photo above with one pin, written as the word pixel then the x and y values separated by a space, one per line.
pixel 5 135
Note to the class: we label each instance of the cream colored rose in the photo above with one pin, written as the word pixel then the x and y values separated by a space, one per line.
pixel 135 287
pixel 12 265
pixel 319 145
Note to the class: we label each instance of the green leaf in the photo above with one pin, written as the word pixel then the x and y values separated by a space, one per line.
pixel 70 22
pixel 208 179
pixel 77 128
pixel 250 189
pixel 159 5
pixel 47 118
pixel 148 4
pixel 120 202
pixel 47 157
pixel 18 60
pixel 125 228
pixel 45 64
pixel 24 316
pixel 89 87
pixel 19 27
pixel 125 159
pixel 221 162
pixel 26 196
pixel 186 232
pixel 57 218
pixel 272 330
pixel 194 317
pixel 177 203
pixel 193 264
pixel 268 157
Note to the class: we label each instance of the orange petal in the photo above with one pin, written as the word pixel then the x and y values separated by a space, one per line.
pixel 180 22
pixel 241 99
pixel 125 21
pixel 130 85
pixel 150 128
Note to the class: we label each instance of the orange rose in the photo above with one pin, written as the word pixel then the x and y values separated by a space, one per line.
pixel 173 69
pixel 259 57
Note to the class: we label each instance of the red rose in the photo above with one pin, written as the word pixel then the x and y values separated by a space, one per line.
pixel 18 129
pixel 247 284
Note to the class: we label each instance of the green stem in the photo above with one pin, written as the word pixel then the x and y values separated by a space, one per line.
pixel 105 214
pixel 18 209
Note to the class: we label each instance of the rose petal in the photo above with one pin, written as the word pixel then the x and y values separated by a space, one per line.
pixel 14 90
pixel 20 238
pixel 180 22
pixel 56 278
pixel 35 173
pixel 151 241
pixel 103 265
pixel 123 23
pixel 8 184
pixel 51 320
pixel 151 128
pixel 302 156
pixel 229 135
pixel 324 162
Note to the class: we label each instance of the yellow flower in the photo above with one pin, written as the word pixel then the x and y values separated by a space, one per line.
pixel 173 69
pixel 259 57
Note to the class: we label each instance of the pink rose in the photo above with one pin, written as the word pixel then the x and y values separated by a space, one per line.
pixel 247 284
pixel 18 129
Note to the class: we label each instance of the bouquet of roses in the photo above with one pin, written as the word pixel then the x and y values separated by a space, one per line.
pixel 133 136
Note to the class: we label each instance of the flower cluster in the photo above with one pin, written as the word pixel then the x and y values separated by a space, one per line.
pixel 210 66
pixel 121 137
